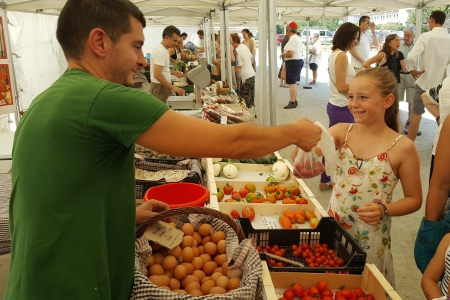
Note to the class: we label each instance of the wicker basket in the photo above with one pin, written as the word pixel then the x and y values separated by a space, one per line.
pixel 240 253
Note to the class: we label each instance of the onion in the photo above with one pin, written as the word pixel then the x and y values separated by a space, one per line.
pixel 230 171
pixel 280 170
pixel 217 168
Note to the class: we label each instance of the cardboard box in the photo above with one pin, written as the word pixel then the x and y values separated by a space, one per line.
pixel 371 281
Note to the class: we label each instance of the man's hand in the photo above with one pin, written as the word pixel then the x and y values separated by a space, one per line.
pixel 415 74
pixel 308 134
pixel 179 74
pixel 149 209
pixel 372 26
pixel 179 91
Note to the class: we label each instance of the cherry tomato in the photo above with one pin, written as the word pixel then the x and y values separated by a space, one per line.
pixel 346 293
pixel 289 294
pixel 228 189
pixel 322 285
pixel 294 247
pixel 298 290
pixel 314 292
pixel 370 297
pixel 359 292
pixel 295 253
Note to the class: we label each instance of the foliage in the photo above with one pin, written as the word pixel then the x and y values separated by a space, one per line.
pixel 391 26
pixel 426 12
pixel 330 24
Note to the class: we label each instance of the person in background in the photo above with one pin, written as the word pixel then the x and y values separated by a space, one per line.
pixel 140 81
pixel 293 52
pixel 361 52
pixel 177 54
pixel 431 55
pixel 246 72
pixel 184 36
pixel 249 41
pixel 84 246
pixel 315 57
pixel 161 80
pixel 282 72
pixel 340 73
pixel 406 80
pixel 201 36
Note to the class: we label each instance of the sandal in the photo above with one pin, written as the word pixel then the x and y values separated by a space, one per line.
pixel 325 186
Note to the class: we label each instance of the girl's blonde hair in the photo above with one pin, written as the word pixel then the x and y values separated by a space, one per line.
pixel 386 84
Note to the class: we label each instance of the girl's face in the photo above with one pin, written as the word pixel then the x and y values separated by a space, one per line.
pixel 395 44
pixel 365 103
pixel 244 34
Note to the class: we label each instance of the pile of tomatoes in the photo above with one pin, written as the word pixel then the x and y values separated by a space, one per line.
pixel 321 292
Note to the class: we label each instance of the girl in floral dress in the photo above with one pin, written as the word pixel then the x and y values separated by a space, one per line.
pixel 373 157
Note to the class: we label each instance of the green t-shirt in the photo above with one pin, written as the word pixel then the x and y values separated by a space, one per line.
pixel 72 210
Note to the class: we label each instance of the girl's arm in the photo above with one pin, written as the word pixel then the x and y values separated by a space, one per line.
pixel 252 47
pixel 341 72
pixel 374 59
pixel 403 66
pixel 434 270
pixel 440 180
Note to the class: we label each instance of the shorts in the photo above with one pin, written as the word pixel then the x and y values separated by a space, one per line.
pixel 159 91
pixel 293 68
pixel 406 85
pixel 417 107
pixel 313 66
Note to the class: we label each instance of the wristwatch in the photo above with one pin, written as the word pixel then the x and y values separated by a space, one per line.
pixel 385 211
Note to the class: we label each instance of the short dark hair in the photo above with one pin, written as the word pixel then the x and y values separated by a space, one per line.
pixel 184 34
pixel 363 19
pixel 246 31
pixel 344 36
pixel 200 32
pixel 79 17
pixel 170 31
pixel 292 30
pixel 438 16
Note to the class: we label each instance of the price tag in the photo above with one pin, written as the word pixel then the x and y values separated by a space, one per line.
pixel 223 120
pixel 164 235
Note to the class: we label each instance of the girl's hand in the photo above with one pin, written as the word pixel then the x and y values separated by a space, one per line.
pixel 370 213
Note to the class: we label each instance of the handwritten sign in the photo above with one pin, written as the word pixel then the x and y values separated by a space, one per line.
pixel 164 235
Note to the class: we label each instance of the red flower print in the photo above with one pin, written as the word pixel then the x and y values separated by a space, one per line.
pixel 353 191
pixel 352 171
pixel 384 179
pixel 382 156
pixel 354 208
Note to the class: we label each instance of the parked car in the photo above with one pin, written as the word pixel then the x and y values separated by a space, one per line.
pixel 325 36
pixel 280 37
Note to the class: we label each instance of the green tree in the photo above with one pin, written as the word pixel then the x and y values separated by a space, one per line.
pixel 330 24
pixel 426 12
pixel 392 26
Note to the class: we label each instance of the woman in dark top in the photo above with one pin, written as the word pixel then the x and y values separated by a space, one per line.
pixel 389 57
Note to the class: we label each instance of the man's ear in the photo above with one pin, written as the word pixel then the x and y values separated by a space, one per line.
pixel 390 99
pixel 99 42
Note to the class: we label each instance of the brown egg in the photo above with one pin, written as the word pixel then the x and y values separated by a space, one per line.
pixel 189 267
pixel 218 236
pixel 187 254
pixel 188 279
pixel 169 262
pixel 205 279
pixel 158 258
pixel 204 230
pixel 209 267
pixel 188 229
pixel 216 275
pixel 168 273
pixel 176 252
pixel 210 248
pixel 222 281
pixel 222 247
pixel 196 251
pixel 198 238
pixel 205 257
pixel 156 269
pixel 174 284
pixel 206 239
pixel 225 268
pixel 197 262
pixel 206 286
pixel 173 224
pixel 218 269
pixel 196 293
pixel 151 261
pixel 183 292
pixel 155 247
pixel 199 274
pixel 201 249
pixel 179 272
pixel 220 259
pixel 194 244
pixel 217 290
pixel 233 283
pixel 156 280
pixel 188 241
pixel 165 279
pixel 193 285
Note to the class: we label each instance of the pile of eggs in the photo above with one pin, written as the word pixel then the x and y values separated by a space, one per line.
pixel 198 266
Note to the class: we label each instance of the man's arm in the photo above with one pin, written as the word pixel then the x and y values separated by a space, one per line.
pixel 157 73
pixel 356 55
pixel 374 35
pixel 288 53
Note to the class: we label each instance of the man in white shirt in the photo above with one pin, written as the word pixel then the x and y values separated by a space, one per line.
pixel 161 80
pixel 361 52
pixel 315 57
pixel 293 52
pixel 406 80
pixel 431 52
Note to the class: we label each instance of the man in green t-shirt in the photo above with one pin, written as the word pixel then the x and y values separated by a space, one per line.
pixel 72 211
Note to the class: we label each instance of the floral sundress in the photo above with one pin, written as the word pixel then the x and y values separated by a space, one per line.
pixel 358 181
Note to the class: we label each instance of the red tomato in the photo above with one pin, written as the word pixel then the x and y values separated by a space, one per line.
pixel 294 247
pixel 273 263
pixel 228 189
pixel 289 294
pixel 321 285
pixel 278 253
pixel 295 253
pixel 331 263
pixel 359 292
pixel 243 192
pixel 305 246
pixel 236 196
pixel 248 212
pixel 276 247
pixel 361 298
pixel 314 292
pixel 327 292
pixel 346 293
pixel 327 298
pixel 283 252
pixel 282 298
pixel 370 297
pixel 298 290
pixel 281 189
pixel 339 262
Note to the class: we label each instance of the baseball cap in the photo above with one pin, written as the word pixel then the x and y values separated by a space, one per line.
pixel 292 25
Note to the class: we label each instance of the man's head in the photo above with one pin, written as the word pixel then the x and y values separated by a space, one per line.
pixel 170 36
pixel 364 23
pixel 408 35
pixel 184 35
pixel 291 29
pixel 315 37
pixel 200 34
pixel 437 19
pixel 111 16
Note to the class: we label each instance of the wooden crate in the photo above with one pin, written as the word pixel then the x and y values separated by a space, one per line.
pixel 371 281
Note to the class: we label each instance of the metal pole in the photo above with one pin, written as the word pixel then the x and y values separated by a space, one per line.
pixel 227 42
pixel 306 86
pixel 264 101
pixel 213 39
pixel 223 48
pixel 419 16
pixel 206 40
pixel 272 78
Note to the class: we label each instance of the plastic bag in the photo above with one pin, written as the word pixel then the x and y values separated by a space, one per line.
pixel 326 144
pixel 307 165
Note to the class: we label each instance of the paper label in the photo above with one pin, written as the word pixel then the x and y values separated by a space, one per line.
pixel 223 120
pixel 164 235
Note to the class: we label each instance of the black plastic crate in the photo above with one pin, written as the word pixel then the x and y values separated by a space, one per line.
pixel 328 231
pixel 194 175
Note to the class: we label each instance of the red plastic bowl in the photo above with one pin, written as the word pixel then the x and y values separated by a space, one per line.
pixel 178 194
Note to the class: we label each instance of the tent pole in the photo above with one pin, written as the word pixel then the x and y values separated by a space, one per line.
pixel 213 39
pixel 418 22
pixel 206 40
pixel 272 53
pixel 263 102
pixel 223 49
pixel 306 86
pixel 227 42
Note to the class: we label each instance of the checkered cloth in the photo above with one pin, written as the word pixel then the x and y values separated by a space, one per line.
pixel 5 193
pixel 243 255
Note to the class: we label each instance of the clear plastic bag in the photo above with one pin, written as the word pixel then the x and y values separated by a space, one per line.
pixel 307 165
